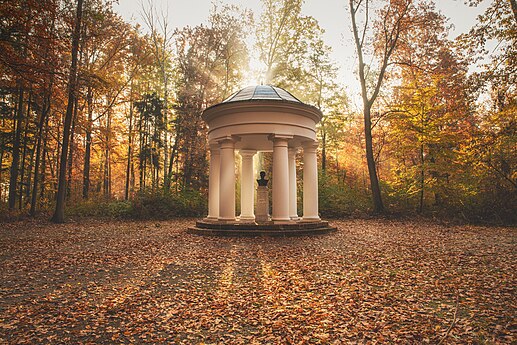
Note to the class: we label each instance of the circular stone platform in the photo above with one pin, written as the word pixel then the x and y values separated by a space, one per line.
pixel 263 229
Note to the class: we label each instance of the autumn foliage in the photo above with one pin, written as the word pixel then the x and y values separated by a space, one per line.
pixel 439 140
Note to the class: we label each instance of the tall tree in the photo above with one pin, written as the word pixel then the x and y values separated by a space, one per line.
pixel 280 38
pixel 318 78
pixel 490 152
pixel 111 60
pixel 391 23
pixel 59 212
pixel 207 57
pixel 161 38
pixel 430 112
pixel 13 180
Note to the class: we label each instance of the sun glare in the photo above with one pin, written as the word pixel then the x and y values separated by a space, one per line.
pixel 254 74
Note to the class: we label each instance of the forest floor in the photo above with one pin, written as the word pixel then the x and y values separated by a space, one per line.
pixel 372 281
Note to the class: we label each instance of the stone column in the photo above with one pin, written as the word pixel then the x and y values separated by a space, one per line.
pixel 247 186
pixel 213 183
pixel 310 182
pixel 227 180
pixel 280 179
pixel 293 207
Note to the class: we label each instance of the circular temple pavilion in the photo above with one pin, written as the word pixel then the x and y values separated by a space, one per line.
pixel 256 119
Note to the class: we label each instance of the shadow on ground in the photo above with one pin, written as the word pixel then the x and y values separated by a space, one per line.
pixel 371 281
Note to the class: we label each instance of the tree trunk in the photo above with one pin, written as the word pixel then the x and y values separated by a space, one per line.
pixel 324 151
pixel 129 146
pixel 140 156
pixel 513 3
pixel 28 182
pixel 44 159
pixel 133 178
pixel 172 157
pixel 54 167
pixel 31 162
pixel 24 152
pixel 88 146
pixel 41 123
pixel 107 163
pixel 2 145
pixel 59 213
pixel 422 179
pixel 165 129
pixel 368 101
pixel 13 178
pixel 155 166
pixel 71 151
pixel 378 206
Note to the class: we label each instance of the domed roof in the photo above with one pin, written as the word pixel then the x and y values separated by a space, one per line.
pixel 261 98
pixel 262 92
pixel 253 114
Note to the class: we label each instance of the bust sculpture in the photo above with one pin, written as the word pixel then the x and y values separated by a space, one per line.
pixel 262 181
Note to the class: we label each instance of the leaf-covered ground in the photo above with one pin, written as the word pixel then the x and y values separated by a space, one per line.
pixel 373 281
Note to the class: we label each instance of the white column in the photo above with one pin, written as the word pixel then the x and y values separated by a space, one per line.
pixel 293 207
pixel 213 183
pixel 310 182
pixel 280 179
pixel 227 180
pixel 247 186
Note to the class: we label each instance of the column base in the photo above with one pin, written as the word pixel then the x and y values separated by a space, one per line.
pixel 247 219
pixel 295 217
pixel 211 219
pixel 281 220
pixel 227 220
pixel 311 219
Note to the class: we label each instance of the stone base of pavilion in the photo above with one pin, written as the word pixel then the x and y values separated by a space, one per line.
pixel 236 228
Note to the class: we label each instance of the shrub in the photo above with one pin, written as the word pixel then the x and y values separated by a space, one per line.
pixel 103 209
pixel 165 205
pixel 146 205
pixel 338 199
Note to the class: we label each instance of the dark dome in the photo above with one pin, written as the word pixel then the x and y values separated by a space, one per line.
pixel 262 92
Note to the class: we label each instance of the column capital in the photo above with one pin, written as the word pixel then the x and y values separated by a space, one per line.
pixel 247 153
pixel 310 146
pixel 226 139
pixel 214 148
pixel 293 151
pixel 279 139
pixel 273 137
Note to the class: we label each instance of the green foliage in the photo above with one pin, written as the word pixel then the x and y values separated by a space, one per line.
pixel 146 205
pixel 338 199
pixel 491 206
pixel 104 209
pixel 165 205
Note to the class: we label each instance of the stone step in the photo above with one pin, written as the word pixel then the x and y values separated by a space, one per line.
pixel 260 231
pixel 270 226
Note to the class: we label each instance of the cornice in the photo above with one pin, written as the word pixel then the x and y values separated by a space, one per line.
pixel 283 106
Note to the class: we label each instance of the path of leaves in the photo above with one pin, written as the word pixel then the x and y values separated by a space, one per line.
pixel 373 281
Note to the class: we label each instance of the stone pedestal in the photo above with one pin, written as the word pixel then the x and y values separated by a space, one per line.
pixel 262 206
